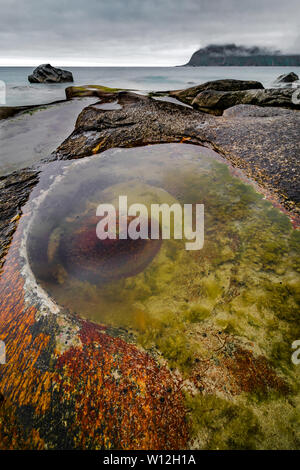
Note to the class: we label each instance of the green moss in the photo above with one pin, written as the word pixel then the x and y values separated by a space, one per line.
pixel 35 110
pixel 106 88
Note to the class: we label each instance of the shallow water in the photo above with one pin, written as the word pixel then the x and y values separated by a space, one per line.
pixel 171 100
pixel 108 106
pixel 245 280
pixel 33 135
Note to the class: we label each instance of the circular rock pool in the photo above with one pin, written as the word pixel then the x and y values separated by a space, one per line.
pixel 245 279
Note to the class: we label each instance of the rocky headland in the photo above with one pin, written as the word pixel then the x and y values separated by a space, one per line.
pixel 233 55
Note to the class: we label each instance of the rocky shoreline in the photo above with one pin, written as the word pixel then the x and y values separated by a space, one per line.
pixel 261 141
pixel 67 360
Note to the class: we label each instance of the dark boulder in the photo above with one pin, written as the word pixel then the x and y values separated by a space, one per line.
pixel 215 102
pixel 189 94
pixel 47 74
pixel 287 78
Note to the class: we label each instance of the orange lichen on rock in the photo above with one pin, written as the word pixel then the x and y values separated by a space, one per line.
pixel 104 394
pixel 119 377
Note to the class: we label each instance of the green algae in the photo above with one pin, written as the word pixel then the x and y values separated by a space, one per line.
pixel 34 110
pixel 87 90
pixel 104 88
pixel 244 282
pixel 223 425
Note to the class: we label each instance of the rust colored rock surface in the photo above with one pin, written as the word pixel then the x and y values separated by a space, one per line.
pixel 70 384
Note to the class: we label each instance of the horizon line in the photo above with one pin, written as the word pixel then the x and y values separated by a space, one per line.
pixel 60 63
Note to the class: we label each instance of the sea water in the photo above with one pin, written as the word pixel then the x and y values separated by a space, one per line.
pixel 20 92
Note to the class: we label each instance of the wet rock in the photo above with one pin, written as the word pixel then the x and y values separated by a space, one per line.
pixel 266 149
pixel 14 192
pixel 45 73
pixel 188 95
pixel 77 390
pixel 215 102
pixel 89 90
pixel 287 78
pixel 81 254
pixel 10 111
pixel 248 110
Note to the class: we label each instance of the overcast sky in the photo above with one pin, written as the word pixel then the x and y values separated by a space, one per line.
pixel 139 32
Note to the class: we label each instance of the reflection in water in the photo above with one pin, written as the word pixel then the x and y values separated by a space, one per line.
pixel 112 106
pixel 32 135
pixel 244 281
pixel 170 99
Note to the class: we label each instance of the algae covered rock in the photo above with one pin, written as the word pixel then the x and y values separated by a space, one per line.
pixel 89 90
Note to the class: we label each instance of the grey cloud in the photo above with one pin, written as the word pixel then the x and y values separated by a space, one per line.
pixel 141 31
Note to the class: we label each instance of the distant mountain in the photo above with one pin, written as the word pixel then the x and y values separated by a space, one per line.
pixel 231 54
